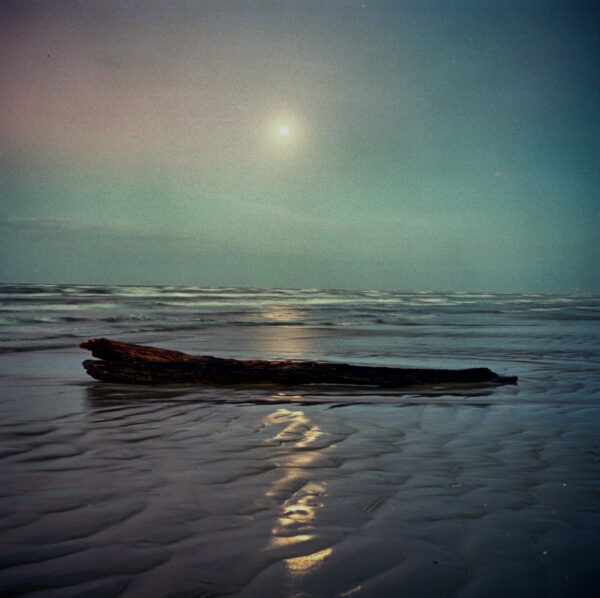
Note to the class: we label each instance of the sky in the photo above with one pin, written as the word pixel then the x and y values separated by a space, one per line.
pixel 430 145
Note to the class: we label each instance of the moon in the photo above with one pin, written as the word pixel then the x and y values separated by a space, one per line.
pixel 284 130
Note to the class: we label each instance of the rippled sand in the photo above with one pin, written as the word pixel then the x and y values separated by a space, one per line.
pixel 109 490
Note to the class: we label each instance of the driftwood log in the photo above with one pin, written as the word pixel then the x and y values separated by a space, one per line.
pixel 137 364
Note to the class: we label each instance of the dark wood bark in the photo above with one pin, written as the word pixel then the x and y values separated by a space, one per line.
pixel 137 364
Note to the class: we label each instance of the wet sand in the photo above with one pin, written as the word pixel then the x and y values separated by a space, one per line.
pixel 109 490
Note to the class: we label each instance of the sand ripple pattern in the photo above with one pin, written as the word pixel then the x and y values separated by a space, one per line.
pixel 176 496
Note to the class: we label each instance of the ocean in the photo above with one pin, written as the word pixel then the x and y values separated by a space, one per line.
pixel 324 491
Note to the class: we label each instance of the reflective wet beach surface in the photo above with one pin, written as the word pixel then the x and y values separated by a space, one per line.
pixel 112 490
pixel 138 492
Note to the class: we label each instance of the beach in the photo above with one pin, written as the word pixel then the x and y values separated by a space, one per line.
pixel 117 490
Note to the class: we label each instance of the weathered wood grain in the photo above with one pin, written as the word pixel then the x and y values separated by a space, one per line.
pixel 137 364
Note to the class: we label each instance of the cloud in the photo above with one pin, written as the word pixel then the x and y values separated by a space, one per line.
pixel 64 225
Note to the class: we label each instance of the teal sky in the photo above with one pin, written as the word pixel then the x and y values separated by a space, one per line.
pixel 431 146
